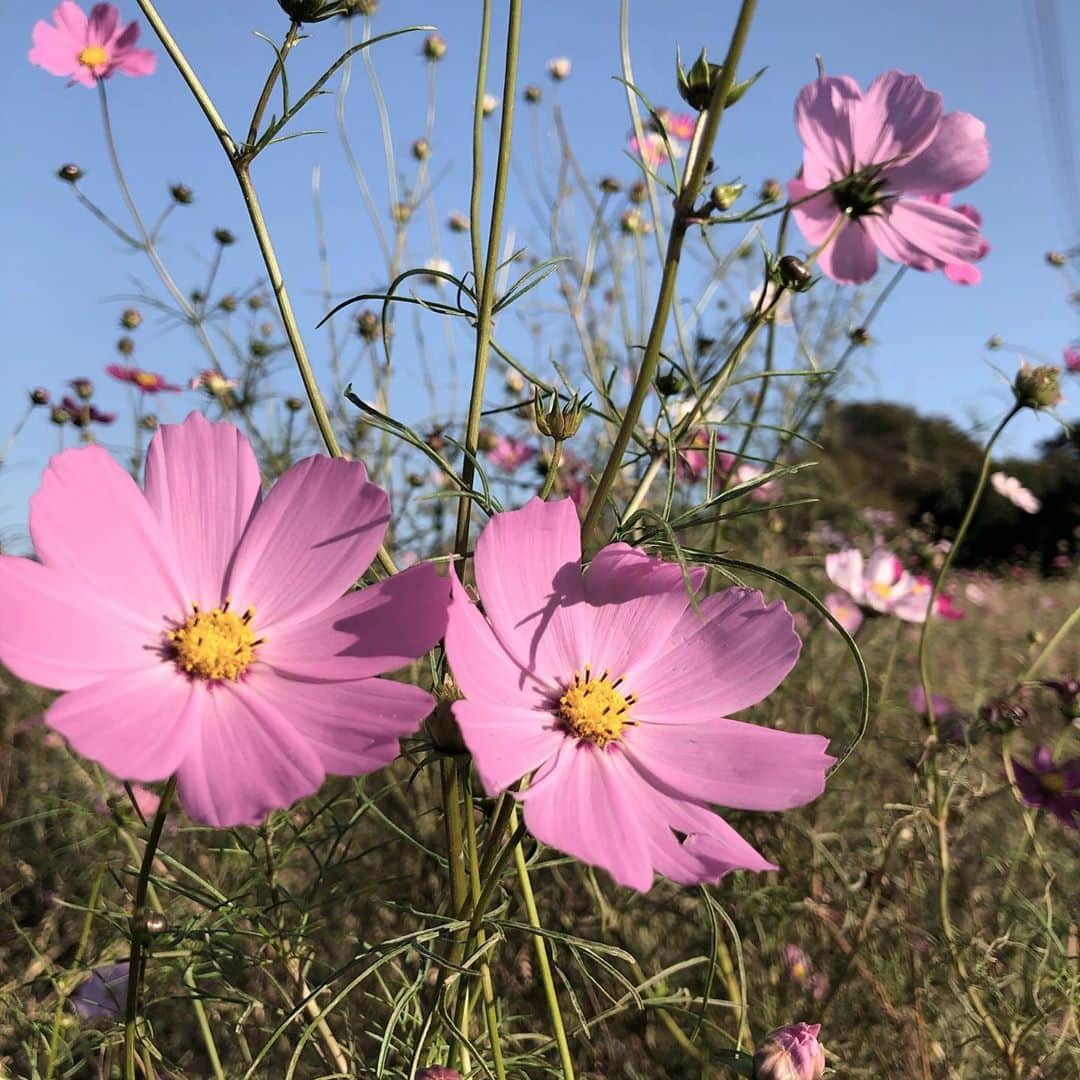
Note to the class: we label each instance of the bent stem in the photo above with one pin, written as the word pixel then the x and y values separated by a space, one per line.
pixel 137 959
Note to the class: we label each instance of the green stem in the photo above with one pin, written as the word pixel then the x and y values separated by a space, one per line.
pixel 552 470
pixel 697 165
pixel 137 964
pixel 477 187
pixel 1051 646
pixel 487 283
pixel 268 87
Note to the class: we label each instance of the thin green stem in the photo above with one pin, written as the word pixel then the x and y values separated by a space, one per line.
pixel 552 470
pixel 268 87
pixel 477 187
pixel 487 284
pixel 697 165
pixel 1052 646
pixel 137 960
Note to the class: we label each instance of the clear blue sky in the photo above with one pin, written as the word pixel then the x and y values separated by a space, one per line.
pixel 61 272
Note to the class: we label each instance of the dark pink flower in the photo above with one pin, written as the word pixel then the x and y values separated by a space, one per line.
pixel 509 454
pixel 677 125
pixel 83 413
pixel 880 152
pixel 147 381
pixel 1071 357
pixel 1051 787
pixel 611 690
pixel 87 49
pixel 201 629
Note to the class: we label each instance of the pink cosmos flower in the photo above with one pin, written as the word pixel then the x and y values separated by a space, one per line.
pixel 652 149
pixel 89 49
pixel 1071 357
pixel 692 460
pixel 200 629
pixel 213 382
pixel 146 381
pixel 845 610
pixel 85 413
pixel 677 125
pixel 612 691
pixel 880 585
pixel 1053 787
pixel 964 273
pixel 763 493
pixel 509 454
pixel 790 1053
pixel 880 152
pixel 1010 488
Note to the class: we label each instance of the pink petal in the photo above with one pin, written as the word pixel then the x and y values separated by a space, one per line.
pixel 379 628
pixel 53 635
pixel 817 217
pixel 245 759
pixel 963 273
pixel 884 568
pixel 354 727
pixel 203 483
pixel 86 77
pixel 136 62
pixel 528 573
pixel 897 118
pixel 636 601
pixel 957 157
pixel 730 656
pixel 53 50
pixel 581 808
pixel 126 38
pixel 823 120
pixel 71 19
pixel 846 612
pixel 850 259
pixel 90 519
pixel 139 725
pixel 102 24
pixel 924 236
pixel 845 568
pixel 506 741
pixel 313 536
pixel 730 763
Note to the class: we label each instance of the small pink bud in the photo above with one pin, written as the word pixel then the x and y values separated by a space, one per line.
pixel 790 1053
pixel 438 1072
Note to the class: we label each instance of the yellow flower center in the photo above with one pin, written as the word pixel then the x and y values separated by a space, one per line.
pixel 216 644
pixel 1053 782
pixel 145 379
pixel 882 589
pixel 594 709
pixel 93 56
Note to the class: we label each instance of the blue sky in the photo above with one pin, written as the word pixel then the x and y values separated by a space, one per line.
pixel 61 272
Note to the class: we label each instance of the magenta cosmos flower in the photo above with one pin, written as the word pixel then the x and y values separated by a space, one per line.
pixel 1051 787
pixel 148 382
pixel 509 454
pixel 880 152
pixel 1071 359
pixel 88 49
pixel 613 691
pixel 200 628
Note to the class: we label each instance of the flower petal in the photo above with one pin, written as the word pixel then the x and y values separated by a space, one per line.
pixel 528 572
pixel 506 741
pixel 730 763
pixel 354 726
pixel 730 656
pixel 850 258
pixel 845 568
pixel 896 119
pixel 89 519
pixel 924 236
pixel 958 155
pixel 313 536
pixel 823 120
pixel 245 759
pixel 817 216
pixel 203 483
pixel 54 50
pixel 71 19
pixel 136 62
pixel 580 807
pixel 376 629
pixel 139 725
pixel 52 635
pixel 846 612
pixel 102 24
pixel 961 273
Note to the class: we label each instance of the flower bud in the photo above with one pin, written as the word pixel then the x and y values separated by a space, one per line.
pixel 84 388
pixel 1068 694
pixel 489 104
pixel 457 222
pixel 149 422
pixel 155 923
pixel 70 174
pixel 790 1053
pixel 39 396
pixel 421 149
pixel 125 345
pixel 182 194
pixel 1055 258
pixel 794 273
pixel 994 341
pixel 401 212
pixel 770 191
pixel 308 11
pixel 293 404
pixel 696 86
pixel 359 7
pixel 486 440
pixel 559 68
pixel 633 223
pixel 532 94
pixel 224 237
pixel 859 335
pixel 1037 387
pixel 638 192
pixel 368 325
pixel 723 196
pixel 1002 716
pixel 669 382
pixel 59 416
pixel 255 302
pixel 514 381
pixel 609 185
pixel 434 47
pixel 555 422
pixel 131 319
pixel 227 303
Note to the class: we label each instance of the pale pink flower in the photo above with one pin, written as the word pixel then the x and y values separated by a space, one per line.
pixel 1011 488
pixel 200 629
pixel 964 273
pixel 881 584
pixel 611 691
pixel 213 382
pixel 678 125
pixel 845 611
pixel 790 1053
pixel 763 493
pixel 883 150
pixel 652 149
pixel 692 460
pixel 558 68
pixel 88 49
pixel 509 454
pixel 1071 358
pixel 147 381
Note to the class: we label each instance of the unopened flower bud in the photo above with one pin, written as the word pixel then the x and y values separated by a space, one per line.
pixel 155 923
pixel 1037 387
pixel 532 94
pixel 69 173
pixel 182 194
pixel 39 396
pixel 558 423
pixel 368 325
pixel 559 68
pixel 360 7
pixel 131 319
pixel 859 335
pixel 59 416
pixel 790 1053
pixel 669 382
pixel 421 149
pixel 771 191
pixel 401 212
pixel 309 11
pixel 638 192
pixel 224 237
pixel 125 345
pixel 723 196
pixel 457 222
pixel 488 104
pixel 435 440
pixel 514 381
pixel 486 440
pixel 84 388
pixel 794 273
pixel 1002 716
pixel 609 185
pixel 633 223
pixel 293 404
pixel 255 302
pixel 149 422
pixel 434 47
pixel 1055 258
pixel 696 86
pixel 227 303
pixel 443 728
